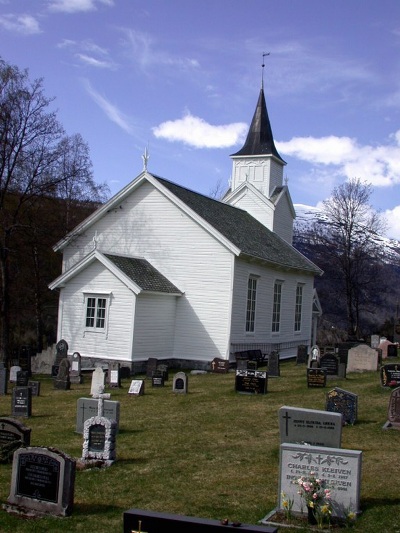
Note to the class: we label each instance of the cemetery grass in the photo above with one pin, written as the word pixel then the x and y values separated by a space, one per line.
pixel 211 453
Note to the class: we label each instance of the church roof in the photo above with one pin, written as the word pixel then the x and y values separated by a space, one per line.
pixel 259 139
pixel 251 237
pixel 143 274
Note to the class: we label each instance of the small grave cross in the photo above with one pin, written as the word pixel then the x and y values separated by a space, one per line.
pixel 287 418
pixel 101 396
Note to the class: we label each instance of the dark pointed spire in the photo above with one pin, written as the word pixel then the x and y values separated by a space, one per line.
pixel 259 138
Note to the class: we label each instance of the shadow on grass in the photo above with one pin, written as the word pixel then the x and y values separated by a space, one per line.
pixel 91 509
pixel 373 503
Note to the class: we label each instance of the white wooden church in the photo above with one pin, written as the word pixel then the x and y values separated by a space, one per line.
pixel 163 271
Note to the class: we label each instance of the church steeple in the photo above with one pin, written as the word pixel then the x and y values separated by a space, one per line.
pixel 259 139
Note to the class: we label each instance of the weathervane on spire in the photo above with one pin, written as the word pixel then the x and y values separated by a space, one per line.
pixel 145 158
pixel 262 72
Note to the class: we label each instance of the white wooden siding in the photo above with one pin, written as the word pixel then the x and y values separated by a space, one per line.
pixel 283 221
pixel 263 211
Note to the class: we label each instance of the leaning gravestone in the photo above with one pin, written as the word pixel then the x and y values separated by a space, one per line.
pixel 136 387
pixel 98 381
pixel 88 407
pixel 180 383
pixel 21 403
pixel 75 370
pixel 62 381
pixel 390 375
pixel 251 381
pixel 393 421
pixel 42 482
pixel 3 379
pixel 310 426
pixel 344 402
pixel 362 358
pixel 339 467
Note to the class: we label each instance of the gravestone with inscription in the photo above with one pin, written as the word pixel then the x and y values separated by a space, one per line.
pixel 88 407
pixel 302 356
pixel 316 377
pixel 114 375
pixel 75 370
pixel 344 402
pixel 35 387
pixel 219 366
pixel 393 421
pixel 22 378
pixel 98 381
pixel 61 353
pixel 62 380
pixel 43 481
pixel 251 381
pixel 13 432
pixel 341 468
pixel 3 379
pixel 310 426
pixel 274 369
pixel 330 363
pixel 180 383
pixel 390 375
pixel 99 436
pixel 158 378
pixel 136 387
pixel 21 403
pixel 362 358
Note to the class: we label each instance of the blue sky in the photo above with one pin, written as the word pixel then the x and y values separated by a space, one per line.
pixel 182 77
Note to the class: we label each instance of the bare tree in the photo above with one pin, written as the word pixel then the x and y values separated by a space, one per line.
pixel 349 248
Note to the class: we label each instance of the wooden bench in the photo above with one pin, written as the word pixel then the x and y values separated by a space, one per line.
pixel 251 355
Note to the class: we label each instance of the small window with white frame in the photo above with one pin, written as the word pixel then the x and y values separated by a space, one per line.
pixel 96 312
pixel 251 304
pixel 276 307
pixel 298 307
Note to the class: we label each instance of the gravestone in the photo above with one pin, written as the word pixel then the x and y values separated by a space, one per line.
pixel 344 402
pixel 390 375
pixel 274 369
pixel 314 357
pixel 157 379
pixel 163 367
pixel 180 383
pixel 316 377
pixel 310 426
pixel 24 359
pixel 302 356
pixel 42 483
pixel 61 353
pixel 75 370
pixel 339 467
pixel 375 340
pixel 3 379
pixel 21 401
pixel 114 375
pixel 362 358
pixel 393 421
pixel 384 346
pixel 151 366
pixel 330 363
pixel 62 380
pixel 136 387
pixel 13 432
pixel 392 350
pixel 13 373
pixel 99 435
pixel 35 387
pixel 88 407
pixel 22 378
pixel 243 364
pixel 98 381
pixel 219 366
pixel 251 381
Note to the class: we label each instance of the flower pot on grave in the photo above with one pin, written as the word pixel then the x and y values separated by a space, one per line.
pixel 312 520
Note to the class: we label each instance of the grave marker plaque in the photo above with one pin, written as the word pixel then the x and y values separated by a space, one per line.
pixel 393 420
pixel 157 379
pixel 390 375
pixel 344 402
pixel 251 381
pixel 219 366
pixel 316 377
pixel 75 370
pixel 180 383
pixel 35 387
pixel 12 430
pixel 114 375
pixel 136 387
pixel 21 401
pixel 42 482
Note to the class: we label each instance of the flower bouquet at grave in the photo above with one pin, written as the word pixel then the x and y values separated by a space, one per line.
pixel 316 495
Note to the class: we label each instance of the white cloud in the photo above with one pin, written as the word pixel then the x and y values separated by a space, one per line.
pixel 196 132
pixel 392 217
pixel 378 165
pixel 77 6
pixel 112 112
pixel 25 24
pixel 93 62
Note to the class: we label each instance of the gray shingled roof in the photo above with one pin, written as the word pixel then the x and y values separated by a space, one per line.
pixel 242 230
pixel 143 274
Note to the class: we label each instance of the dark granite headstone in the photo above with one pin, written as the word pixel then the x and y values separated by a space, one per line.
pixel 219 366
pixel 316 377
pixel 21 401
pixel 62 381
pixel 22 378
pixel 393 421
pixel 24 359
pixel 302 355
pixel 251 381
pixel 274 365
pixel 61 353
pixel 344 402
pixel 390 375
pixel 330 363
pixel 35 387
pixel 151 366
pixel 3 379
pixel 42 482
pixel 12 430
pixel 163 367
pixel 157 379
pixel 392 350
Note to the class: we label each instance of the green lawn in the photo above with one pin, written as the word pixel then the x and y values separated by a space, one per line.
pixel 211 453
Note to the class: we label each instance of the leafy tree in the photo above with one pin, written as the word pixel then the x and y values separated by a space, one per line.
pixel 349 250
